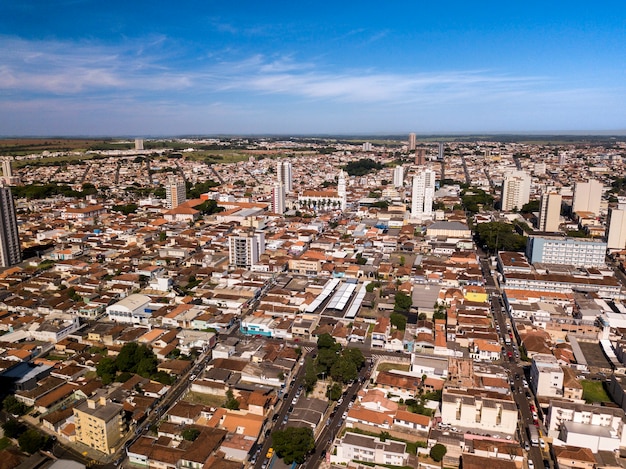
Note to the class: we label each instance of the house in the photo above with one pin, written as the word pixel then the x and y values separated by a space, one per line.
pixel 381 332
pixel 411 421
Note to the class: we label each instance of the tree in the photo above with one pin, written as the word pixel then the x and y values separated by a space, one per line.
pixel 355 356
pixel 293 444
pixel 335 391
pixel 310 376
pixel 13 406
pixel 344 371
pixel 398 320
pixel 437 452
pixel 32 441
pixel 190 434
pixel 326 358
pixel 326 341
pixel 106 370
pixel 13 428
pixel 231 402
pixel 403 302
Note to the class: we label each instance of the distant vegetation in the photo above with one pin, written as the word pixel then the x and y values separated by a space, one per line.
pixel 43 191
pixel 362 167
pixel 497 236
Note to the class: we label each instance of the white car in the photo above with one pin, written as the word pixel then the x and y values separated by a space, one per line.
pixel 531 464
pixel 542 444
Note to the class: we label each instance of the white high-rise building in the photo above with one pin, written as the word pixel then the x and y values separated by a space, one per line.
pixel 587 197
pixel 278 198
pixel 175 192
pixel 10 251
pixel 244 250
pixel 423 193
pixel 139 144
pixel 398 176
pixel 549 212
pixel 342 192
pixel 617 230
pixel 441 151
pixel 515 190
pixel 284 175
pixel 412 141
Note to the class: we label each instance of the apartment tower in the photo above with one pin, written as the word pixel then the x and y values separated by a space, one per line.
pixel 175 192
pixel 587 197
pixel 10 252
pixel 423 193
pixel 515 191
pixel 549 212
pixel 412 141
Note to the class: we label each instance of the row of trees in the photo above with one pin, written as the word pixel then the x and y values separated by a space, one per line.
pixel 29 439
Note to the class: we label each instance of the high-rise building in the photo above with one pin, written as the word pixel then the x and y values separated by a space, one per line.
pixel 398 176
pixel 7 172
pixel 515 190
pixel 412 141
pixel 441 151
pixel 549 212
pixel 420 156
pixel 616 239
pixel 139 144
pixel 175 192
pixel 10 252
pixel 423 193
pixel 367 146
pixel 587 197
pixel 278 198
pixel 244 250
pixel 284 175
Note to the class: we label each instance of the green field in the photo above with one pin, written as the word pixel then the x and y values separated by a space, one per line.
pixel 393 366
pixel 593 391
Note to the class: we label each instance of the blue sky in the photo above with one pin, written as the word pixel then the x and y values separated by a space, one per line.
pixel 138 68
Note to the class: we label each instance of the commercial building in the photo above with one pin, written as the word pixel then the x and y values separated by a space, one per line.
pixel 579 252
pixel 356 447
pixel 549 212
pixel 587 197
pixel 175 192
pixel 423 192
pixel 10 252
pixel 133 309
pixel 515 190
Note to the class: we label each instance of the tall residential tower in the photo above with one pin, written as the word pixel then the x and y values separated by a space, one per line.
pixel 10 252
pixel 423 194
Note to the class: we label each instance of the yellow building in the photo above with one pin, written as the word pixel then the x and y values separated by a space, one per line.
pixel 99 424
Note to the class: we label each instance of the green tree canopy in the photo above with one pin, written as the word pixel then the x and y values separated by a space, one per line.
pixel 13 406
pixel 32 441
pixel 403 302
pixel 498 236
pixel 437 452
pixel 362 167
pixel 190 433
pixel 293 444
pixel 398 320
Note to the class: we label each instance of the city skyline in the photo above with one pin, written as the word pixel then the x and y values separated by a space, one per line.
pixel 85 68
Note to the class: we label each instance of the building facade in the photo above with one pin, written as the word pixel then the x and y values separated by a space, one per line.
pixel 398 176
pixel 278 198
pixel 10 251
pixel 284 175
